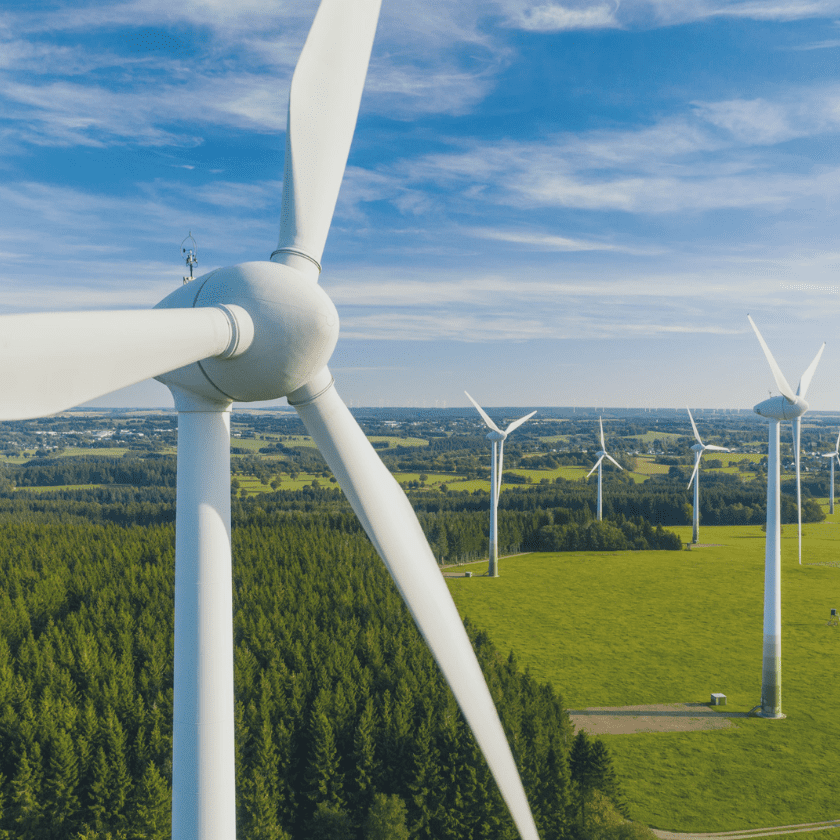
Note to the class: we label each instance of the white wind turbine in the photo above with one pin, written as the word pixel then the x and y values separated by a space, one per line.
pixel 602 453
pixel 699 448
pixel 255 331
pixel 835 456
pixel 498 437
pixel 776 409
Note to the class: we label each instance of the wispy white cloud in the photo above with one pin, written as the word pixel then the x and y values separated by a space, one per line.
pixel 549 16
pixel 784 10
pixel 711 156
pixel 561 17
pixel 552 242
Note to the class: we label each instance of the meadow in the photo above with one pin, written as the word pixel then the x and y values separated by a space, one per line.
pixel 627 628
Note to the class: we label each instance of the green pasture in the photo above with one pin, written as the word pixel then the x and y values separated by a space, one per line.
pixel 432 479
pixel 573 473
pixel 627 628
pixel 648 466
pixel 398 441
pixel 470 485
pixel 252 445
pixel 252 485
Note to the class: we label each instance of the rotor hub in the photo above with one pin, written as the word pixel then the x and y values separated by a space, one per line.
pixel 295 332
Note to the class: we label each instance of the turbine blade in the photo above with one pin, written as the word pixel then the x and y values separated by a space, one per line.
pixel 53 361
pixel 694 473
pixel 595 467
pixel 781 382
pixel 837 445
pixel 805 382
pixel 601 424
pixel 711 448
pixel 323 107
pixel 694 426
pixel 487 421
pixel 390 522
pixel 607 455
pixel 517 423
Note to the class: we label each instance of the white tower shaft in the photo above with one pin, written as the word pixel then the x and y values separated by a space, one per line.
pixel 493 568
pixel 203 763
pixel 600 492
pixel 695 530
pixel 831 496
pixel 771 671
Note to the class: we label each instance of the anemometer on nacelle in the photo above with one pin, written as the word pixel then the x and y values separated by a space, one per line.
pixel 190 255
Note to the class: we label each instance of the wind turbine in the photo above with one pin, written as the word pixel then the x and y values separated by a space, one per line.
pixel 835 456
pixel 498 437
pixel 256 331
pixel 775 409
pixel 699 448
pixel 602 453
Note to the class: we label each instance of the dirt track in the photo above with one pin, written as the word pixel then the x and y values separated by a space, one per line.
pixel 746 834
pixel 663 717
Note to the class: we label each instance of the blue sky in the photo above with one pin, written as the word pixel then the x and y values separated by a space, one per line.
pixel 546 203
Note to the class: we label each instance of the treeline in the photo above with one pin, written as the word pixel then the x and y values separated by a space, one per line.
pixel 343 722
pixel 152 471
pixel 725 502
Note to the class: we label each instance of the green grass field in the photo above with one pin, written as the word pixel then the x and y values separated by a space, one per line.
pixel 612 629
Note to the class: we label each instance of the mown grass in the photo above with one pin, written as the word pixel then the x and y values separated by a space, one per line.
pixel 612 629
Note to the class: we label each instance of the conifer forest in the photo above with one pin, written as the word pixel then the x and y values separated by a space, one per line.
pixel 345 727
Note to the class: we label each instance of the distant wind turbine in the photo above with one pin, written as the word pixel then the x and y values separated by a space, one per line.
pixel 699 448
pixel 498 437
pixel 786 407
pixel 835 456
pixel 602 453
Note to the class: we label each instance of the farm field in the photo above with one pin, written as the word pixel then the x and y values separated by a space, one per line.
pixel 632 628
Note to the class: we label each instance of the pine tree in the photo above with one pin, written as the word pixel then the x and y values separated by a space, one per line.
pixel 425 785
pixel 580 764
pixel 99 791
pixel 364 758
pixel 27 806
pixel 323 773
pixel 259 797
pixel 62 802
pixel 329 823
pixel 153 819
pixel 386 819
pixel 3 833
pixel 604 778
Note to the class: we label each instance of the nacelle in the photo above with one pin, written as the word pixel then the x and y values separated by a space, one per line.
pixel 779 408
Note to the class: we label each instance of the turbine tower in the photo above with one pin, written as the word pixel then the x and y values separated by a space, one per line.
pixel 498 437
pixel 835 456
pixel 602 453
pixel 776 409
pixel 699 448
pixel 256 331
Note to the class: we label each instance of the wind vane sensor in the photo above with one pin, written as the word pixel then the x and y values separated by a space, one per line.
pixel 190 252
